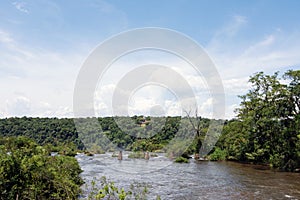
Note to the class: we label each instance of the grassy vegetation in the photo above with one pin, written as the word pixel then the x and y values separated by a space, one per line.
pixel 136 155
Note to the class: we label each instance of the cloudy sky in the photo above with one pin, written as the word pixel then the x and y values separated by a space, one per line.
pixel 43 45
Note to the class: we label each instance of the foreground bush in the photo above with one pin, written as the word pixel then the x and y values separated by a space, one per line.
pixel 108 190
pixel 28 172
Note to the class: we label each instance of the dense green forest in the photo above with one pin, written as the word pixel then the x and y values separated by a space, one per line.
pixel 42 130
pixel 137 133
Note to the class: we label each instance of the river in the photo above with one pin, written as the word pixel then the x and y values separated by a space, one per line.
pixel 194 180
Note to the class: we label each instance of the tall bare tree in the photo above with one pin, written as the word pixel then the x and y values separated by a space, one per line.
pixel 197 125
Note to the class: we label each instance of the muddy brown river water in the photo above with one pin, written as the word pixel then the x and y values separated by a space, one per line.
pixel 194 180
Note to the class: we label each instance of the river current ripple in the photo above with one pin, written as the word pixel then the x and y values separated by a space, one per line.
pixel 194 180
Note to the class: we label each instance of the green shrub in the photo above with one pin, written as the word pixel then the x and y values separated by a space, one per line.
pixel 28 172
pixel 218 155
pixel 107 190
pixel 96 149
pixel 136 155
pixel 181 160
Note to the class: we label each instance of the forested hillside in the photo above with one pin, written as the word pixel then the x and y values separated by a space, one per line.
pixel 43 130
pixel 137 133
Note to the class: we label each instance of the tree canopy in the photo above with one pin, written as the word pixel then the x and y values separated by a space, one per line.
pixel 267 128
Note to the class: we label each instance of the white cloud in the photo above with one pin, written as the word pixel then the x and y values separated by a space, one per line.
pixel 234 26
pixel 20 106
pixel 148 97
pixel 104 6
pixel 226 34
pixel 238 59
pixel 102 100
pixel 236 86
pixel 63 112
pixel 48 77
pixel 5 37
pixel 273 52
pixel 40 74
pixel 230 111
pixel 141 105
pixel 21 6
pixel 173 108
pixel 205 109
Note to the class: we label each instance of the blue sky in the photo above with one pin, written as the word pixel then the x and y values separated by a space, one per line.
pixel 44 43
